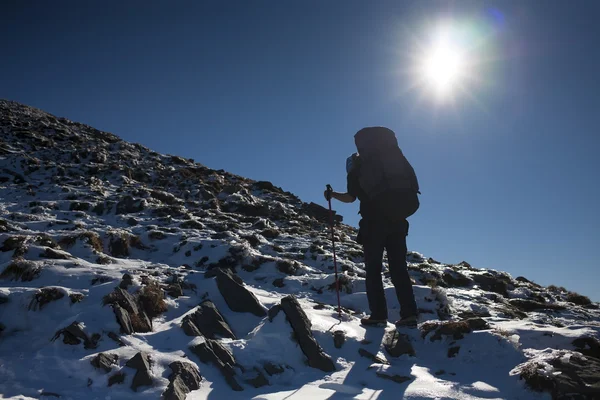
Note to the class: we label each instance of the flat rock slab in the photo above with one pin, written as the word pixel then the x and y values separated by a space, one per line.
pixel 302 329
pixel 208 321
pixel 236 295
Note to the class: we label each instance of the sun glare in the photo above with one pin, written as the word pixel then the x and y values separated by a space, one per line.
pixel 443 67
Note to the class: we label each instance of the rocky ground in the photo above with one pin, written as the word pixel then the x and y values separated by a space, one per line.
pixel 127 273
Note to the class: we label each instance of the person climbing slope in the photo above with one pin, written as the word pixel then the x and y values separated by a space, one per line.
pixel 385 183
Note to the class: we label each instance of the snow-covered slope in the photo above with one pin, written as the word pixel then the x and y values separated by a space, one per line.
pixel 108 249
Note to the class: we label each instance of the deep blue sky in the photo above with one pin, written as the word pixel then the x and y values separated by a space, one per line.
pixel 275 91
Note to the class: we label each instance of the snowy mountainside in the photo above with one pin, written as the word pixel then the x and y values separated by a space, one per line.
pixel 126 273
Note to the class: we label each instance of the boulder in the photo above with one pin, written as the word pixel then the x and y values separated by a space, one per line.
pixel 210 322
pixel 183 379
pixel 397 344
pixel 236 295
pixel 212 351
pixel 141 363
pixel 105 361
pixel 573 376
pixel 302 330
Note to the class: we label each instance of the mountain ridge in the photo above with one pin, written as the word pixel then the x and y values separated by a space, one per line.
pixel 128 252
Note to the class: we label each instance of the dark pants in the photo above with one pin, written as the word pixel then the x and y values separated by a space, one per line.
pixel 375 236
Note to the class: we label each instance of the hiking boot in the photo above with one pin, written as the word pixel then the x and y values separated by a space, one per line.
pixel 373 322
pixel 407 322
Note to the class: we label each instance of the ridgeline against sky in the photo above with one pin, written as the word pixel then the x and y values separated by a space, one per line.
pixel 494 104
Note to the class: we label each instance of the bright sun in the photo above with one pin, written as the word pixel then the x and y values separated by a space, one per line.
pixel 442 64
pixel 443 67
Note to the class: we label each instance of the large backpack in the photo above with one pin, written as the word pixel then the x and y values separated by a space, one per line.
pixel 385 175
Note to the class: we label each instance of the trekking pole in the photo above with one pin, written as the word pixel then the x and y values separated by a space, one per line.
pixel 337 284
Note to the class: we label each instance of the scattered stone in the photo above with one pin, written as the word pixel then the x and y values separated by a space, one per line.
pixel 209 321
pixel 45 296
pixel 23 270
pixel 302 329
pixel 74 334
pixel 212 351
pixel 397 344
pixel 531 305
pixel 375 358
pixel 183 379
pixel 116 339
pixel 55 254
pixel 116 379
pixel 453 351
pixel 256 378
pixel 278 283
pixel 76 297
pixel 456 279
pixel 236 295
pixel 456 329
pixel 141 363
pixel 273 311
pixel 123 319
pixel 105 361
pixel 273 369
pixel 174 290
pixel 129 205
pixel 589 346
pixel 394 378
pixel 573 376
pixel 339 338
pixel 189 327
pixel 497 284
pixel 126 281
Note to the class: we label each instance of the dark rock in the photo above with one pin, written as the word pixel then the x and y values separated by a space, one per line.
pixel 273 369
pixel 105 361
pixel 256 378
pixel 74 334
pixel 45 296
pixel 132 221
pixel 116 379
pixel 394 378
pixel 574 377
pixel 273 311
pixel 210 322
pixel 456 279
pixel 211 351
pixel 189 327
pixel 456 329
pixel 497 284
pixel 141 363
pixel 183 379
pixel 129 205
pixel 115 338
pixel 278 283
pixel 55 254
pixel 174 290
pixel 123 319
pixel 339 337
pixel 287 267
pixel 453 351
pixel 302 329
pixel 76 297
pixel 126 281
pixel 589 346
pixel 531 305
pixel 320 213
pixel 397 344
pixel 376 359
pixel 238 298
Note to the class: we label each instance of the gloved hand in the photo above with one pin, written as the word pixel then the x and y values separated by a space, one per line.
pixel 328 193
